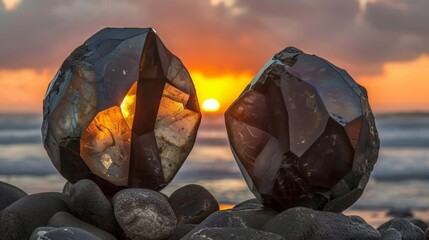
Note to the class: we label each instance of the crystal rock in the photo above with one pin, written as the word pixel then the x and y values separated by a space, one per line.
pixel 303 134
pixel 121 111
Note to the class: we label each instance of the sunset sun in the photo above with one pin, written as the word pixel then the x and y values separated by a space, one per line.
pixel 211 105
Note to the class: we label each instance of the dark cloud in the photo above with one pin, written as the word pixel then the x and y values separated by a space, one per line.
pixel 223 38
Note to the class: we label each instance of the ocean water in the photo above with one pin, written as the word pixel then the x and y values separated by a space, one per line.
pixel 400 178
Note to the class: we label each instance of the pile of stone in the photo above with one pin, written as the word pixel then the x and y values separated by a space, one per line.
pixel 82 211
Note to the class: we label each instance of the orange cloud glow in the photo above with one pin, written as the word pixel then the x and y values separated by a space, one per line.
pixel 23 90
pixel 403 86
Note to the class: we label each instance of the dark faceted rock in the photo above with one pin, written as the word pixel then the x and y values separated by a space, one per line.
pixel 144 214
pixel 192 204
pixel 231 233
pixel 419 223
pixel 408 230
pixel 66 188
pixel 20 219
pixel 303 134
pixel 65 219
pixel 181 231
pixel 392 234
pixel 236 218
pixel 122 111
pixel 307 224
pixel 9 194
pixel 250 202
pixel 65 233
pixel 90 204
pixel 399 212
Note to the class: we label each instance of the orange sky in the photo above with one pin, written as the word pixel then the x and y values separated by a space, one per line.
pixel 223 43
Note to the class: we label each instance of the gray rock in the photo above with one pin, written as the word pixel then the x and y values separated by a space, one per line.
pixel 427 234
pixel 65 219
pixel 181 230
pixel 144 214
pixel 90 204
pixel 65 233
pixel 408 230
pixel 419 223
pixel 250 202
pixel 39 232
pixel 391 234
pixel 248 218
pixel 233 234
pixel 397 212
pixel 9 194
pixel 192 204
pixel 19 220
pixel 304 223
pixel 66 188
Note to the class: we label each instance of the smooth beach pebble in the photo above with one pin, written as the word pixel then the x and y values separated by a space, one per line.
pixel 20 219
pixel 419 223
pixel 144 214
pixel 65 233
pixel 66 188
pixel 250 202
pixel 408 230
pixel 233 233
pixel 65 219
pixel 392 234
pixel 307 224
pixel 9 194
pixel 181 230
pixel 249 218
pixel 90 204
pixel 192 204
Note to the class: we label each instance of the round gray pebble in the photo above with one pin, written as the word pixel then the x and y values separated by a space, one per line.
pixel 192 204
pixel 144 214
pixel 90 204
pixel 65 233
pixel 9 194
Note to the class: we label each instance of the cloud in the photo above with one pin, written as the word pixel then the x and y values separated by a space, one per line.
pixel 218 37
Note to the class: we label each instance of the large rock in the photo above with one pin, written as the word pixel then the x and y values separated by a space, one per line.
pixel 65 219
pixel 419 223
pixel 233 234
pixel 192 204
pixel 408 230
pixel 9 194
pixel 144 214
pixel 65 233
pixel 20 219
pixel 248 218
pixel 90 204
pixel 304 223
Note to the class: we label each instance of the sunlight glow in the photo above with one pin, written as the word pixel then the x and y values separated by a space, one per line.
pixel 10 5
pixel 224 88
pixel 211 105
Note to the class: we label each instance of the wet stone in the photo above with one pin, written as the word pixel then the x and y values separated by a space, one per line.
pixel 303 134
pixel 19 220
pixel 90 204
pixel 144 214
pixel 9 194
pixel 122 111
pixel 69 233
pixel 192 204
pixel 233 233
pixel 65 219
pixel 306 224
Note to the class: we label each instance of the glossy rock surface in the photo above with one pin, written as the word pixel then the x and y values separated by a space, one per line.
pixel 121 111
pixel 303 134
